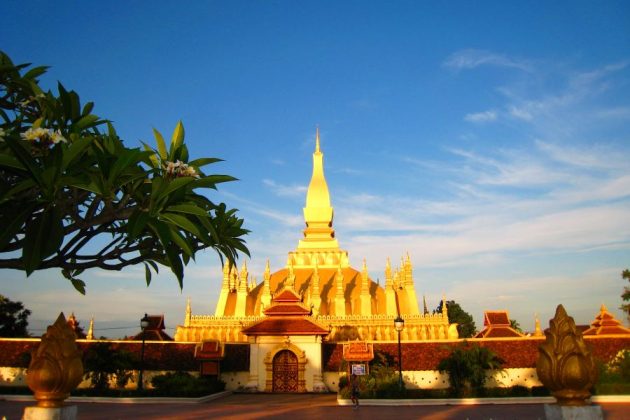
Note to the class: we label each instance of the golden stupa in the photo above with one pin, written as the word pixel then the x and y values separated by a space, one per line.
pixel 344 299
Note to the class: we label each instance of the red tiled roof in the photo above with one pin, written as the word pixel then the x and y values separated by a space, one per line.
pixel 209 350
pixel 605 323
pixel 286 325
pixel 287 309
pixel 287 295
pixel 497 324
pixel 154 331
pixel 495 332
pixel 496 318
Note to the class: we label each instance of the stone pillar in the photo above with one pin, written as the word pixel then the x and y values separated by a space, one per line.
pixel 318 380
pixel 252 383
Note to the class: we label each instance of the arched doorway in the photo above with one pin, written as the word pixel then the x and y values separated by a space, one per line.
pixel 285 372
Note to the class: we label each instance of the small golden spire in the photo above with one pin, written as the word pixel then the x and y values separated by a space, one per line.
pixel 538 332
pixel 317 140
pixel 90 333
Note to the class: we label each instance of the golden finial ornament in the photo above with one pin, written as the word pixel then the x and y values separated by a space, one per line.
pixel 56 366
pixel 565 365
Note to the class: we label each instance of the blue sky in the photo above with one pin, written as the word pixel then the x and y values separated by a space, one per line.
pixel 490 140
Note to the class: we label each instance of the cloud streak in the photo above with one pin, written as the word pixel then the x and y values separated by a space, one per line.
pixel 473 58
pixel 481 117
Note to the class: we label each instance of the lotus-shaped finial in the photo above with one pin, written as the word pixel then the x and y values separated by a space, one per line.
pixel 565 365
pixel 56 366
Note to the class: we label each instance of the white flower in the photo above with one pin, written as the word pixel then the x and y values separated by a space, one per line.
pixel 56 137
pixel 33 134
pixel 179 169
pixel 43 136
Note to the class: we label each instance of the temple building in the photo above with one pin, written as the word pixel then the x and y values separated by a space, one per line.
pixel 333 300
pixel 606 324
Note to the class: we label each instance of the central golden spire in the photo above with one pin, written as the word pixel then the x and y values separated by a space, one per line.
pixel 318 213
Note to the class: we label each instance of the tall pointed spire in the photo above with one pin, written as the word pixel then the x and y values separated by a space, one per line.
pixel 188 313
pixel 318 213
pixel 90 333
pixel 365 298
pixel 266 293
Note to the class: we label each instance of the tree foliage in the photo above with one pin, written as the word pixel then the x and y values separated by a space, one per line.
pixel 516 325
pixel 102 363
pixel 13 318
pixel 626 294
pixel 74 197
pixel 465 323
pixel 467 365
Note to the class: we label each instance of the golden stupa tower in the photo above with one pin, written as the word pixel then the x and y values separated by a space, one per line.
pixel 347 300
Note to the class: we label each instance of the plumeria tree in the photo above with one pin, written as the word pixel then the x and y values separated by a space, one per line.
pixel 74 197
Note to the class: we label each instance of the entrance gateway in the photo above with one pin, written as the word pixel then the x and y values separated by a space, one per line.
pixel 285 372
pixel 286 347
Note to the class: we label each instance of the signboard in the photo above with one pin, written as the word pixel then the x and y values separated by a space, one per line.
pixel 358 368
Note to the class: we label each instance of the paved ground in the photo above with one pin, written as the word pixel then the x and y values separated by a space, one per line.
pixel 304 406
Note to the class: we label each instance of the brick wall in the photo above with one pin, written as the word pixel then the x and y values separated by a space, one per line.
pixel 517 352
pixel 157 355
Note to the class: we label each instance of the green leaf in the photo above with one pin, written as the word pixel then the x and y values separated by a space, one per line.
pixel 75 105
pixel 55 234
pixel 137 222
pixel 87 108
pixel 180 241
pixel 154 265
pixel 22 186
pixel 183 223
pixel 111 131
pixel 210 181
pixel 25 159
pixel 86 121
pixel 13 223
pixel 10 162
pixel 154 160
pixel 188 209
pixel 35 72
pixel 75 148
pixel 42 238
pixel 177 139
pixel 172 256
pixel 78 284
pixel 198 163
pixel 175 184
pixel 147 274
pixel 129 157
pixel 160 144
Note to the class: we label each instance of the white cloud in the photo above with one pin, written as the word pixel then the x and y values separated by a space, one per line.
pixel 528 296
pixel 569 103
pixel 481 117
pixel 520 113
pixel 590 157
pixel 285 190
pixel 622 113
pixel 472 58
